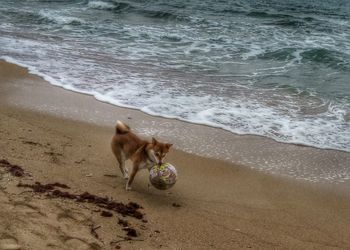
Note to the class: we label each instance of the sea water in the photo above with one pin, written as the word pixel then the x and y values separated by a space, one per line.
pixel 279 69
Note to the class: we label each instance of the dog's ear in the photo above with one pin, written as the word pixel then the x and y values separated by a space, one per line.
pixel 154 141
pixel 168 145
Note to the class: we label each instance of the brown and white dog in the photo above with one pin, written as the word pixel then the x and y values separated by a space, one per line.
pixel 127 145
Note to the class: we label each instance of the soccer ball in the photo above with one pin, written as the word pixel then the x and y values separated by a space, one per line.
pixel 163 177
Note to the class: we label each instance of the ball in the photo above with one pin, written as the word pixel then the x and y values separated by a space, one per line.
pixel 163 177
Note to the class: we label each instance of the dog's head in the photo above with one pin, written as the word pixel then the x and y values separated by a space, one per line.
pixel 157 151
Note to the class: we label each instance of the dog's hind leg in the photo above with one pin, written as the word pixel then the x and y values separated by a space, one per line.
pixel 119 154
pixel 123 169
pixel 135 168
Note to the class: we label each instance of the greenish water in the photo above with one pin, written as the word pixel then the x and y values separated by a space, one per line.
pixel 280 69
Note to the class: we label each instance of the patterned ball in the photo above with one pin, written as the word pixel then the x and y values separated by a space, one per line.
pixel 163 177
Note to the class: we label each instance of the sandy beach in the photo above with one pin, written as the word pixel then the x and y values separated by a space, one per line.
pixel 214 205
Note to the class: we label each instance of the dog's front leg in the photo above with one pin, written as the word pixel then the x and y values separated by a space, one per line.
pixel 135 168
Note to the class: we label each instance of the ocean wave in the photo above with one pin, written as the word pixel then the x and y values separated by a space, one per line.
pixel 160 14
pixel 233 11
pixel 114 6
pixel 325 56
pixel 20 16
pixel 262 14
pixel 57 18
pixel 288 23
pixel 141 9
pixel 43 17
pixel 100 5
pixel 282 54
pixel 171 38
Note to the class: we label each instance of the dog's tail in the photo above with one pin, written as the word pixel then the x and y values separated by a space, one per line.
pixel 121 128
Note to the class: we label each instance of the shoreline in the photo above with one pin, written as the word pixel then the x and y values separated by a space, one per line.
pixel 324 166
pixel 218 204
pixel 53 82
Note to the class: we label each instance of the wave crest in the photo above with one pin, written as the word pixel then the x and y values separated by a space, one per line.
pixel 52 17
pixel 100 5
pixel 331 58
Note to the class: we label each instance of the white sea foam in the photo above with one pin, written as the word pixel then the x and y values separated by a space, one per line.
pixel 254 50
pixel 132 89
pixel 243 117
pixel 100 5
pixel 57 17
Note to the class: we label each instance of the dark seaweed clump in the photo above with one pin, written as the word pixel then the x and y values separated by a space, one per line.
pixel 130 209
pixel 14 170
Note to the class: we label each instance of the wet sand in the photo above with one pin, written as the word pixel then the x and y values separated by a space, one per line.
pixel 256 152
pixel 60 136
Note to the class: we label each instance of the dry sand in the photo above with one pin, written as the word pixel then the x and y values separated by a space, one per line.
pixel 214 205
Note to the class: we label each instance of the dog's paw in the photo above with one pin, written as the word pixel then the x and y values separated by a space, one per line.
pixel 127 188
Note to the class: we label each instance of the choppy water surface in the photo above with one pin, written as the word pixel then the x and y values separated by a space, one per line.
pixel 280 69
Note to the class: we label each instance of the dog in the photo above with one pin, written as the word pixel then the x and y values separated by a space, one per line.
pixel 143 154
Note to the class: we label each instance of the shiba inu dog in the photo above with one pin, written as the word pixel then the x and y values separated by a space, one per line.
pixel 127 145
